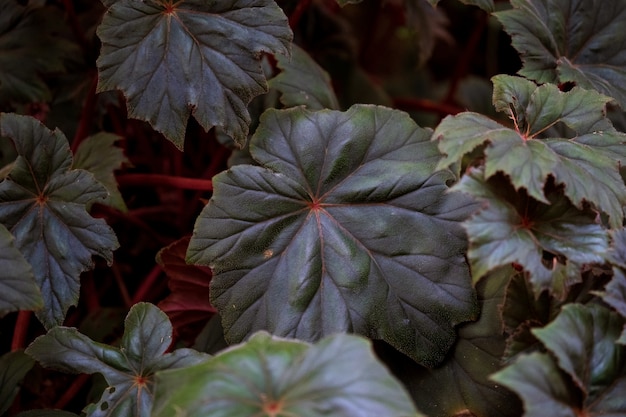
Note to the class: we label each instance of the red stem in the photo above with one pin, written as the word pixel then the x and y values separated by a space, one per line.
pixel 165 180
pixel 420 104
pixel 21 330
pixel 86 115
pixel 297 13
pixel 71 392
pixel 147 284
pixel 119 280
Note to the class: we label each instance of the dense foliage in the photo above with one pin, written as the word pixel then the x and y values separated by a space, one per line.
pixel 312 208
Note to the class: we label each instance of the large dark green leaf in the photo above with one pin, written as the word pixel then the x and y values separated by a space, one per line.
pixel 615 291
pixel 347 227
pixel 13 367
pixel 587 163
pixel 515 228
pixel 270 376
pixel 588 374
pixel 99 155
pixel 18 288
pixel 42 203
pixel 188 58
pixel 571 40
pixel 129 370
pixel 31 45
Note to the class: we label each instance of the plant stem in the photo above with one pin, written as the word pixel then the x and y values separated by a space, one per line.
pixel 21 330
pixel 165 180
pixel 147 284
pixel 86 116
pixel 295 17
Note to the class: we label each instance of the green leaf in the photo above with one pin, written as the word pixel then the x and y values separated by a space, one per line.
pixel 461 383
pixel 31 45
pixel 615 292
pixel 595 151
pixel 303 82
pixel 197 58
pixel 571 40
pixel 308 245
pixel 588 376
pixel 43 206
pixel 129 370
pixel 13 368
pixel 270 376
pixel 514 228
pixel 18 288
pixel 99 155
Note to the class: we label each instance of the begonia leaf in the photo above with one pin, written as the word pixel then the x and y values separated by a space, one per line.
pixel 128 369
pixel 197 58
pixel 571 41
pixel 31 45
pixel 596 150
pixel 514 228
pixel 99 155
pixel 42 203
pixel 307 244
pixel 188 305
pixel 586 376
pixel 18 288
pixel 615 292
pixel 303 82
pixel 271 376
pixel 13 368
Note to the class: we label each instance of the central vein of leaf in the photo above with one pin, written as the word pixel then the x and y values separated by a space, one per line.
pixel 315 205
pixel 42 199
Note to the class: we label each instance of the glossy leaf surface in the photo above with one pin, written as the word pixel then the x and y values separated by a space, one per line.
pixel 308 244
pixel 270 376
pixel 190 58
pixel 571 40
pixel 594 151
pixel 43 205
pixel 129 370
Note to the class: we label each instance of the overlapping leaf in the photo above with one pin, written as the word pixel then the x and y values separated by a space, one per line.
pixel 13 367
pixel 586 375
pixel 571 40
pixel 311 246
pixel 188 58
pixel 31 45
pixel 515 228
pixel 615 291
pixel 99 155
pixel 129 370
pixel 42 203
pixel 18 288
pixel 587 163
pixel 269 376
pixel 303 82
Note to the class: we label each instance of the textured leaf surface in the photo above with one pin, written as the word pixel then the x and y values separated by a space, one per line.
pixel 514 228
pixel 129 370
pixel 594 151
pixel 42 203
pixel 269 376
pixel 615 291
pixel 99 155
pixel 188 305
pixel 13 367
pixel 303 82
pixel 18 288
pixel 588 376
pixel 190 58
pixel 571 40
pixel 310 246
pixel 31 45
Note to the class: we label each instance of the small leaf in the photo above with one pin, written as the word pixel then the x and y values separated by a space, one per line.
pixel 339 376
pixel 99 155
pixel 129 370
pixel 13 368
pixel 308 246
pixel 514 228
pixel 18 288
pixel 43 206
pixel 303 82
pixel 595 151
pixel 571 41
pixel 188 305
pixel 31 45
pixel 198 59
